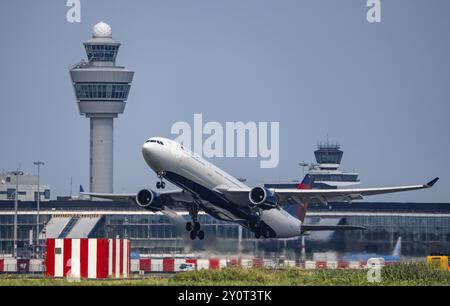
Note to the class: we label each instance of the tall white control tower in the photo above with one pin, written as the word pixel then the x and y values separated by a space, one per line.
pixel 101 89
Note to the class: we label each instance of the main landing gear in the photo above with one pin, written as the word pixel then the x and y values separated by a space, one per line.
pixel 194 226
pixel 261 232
pixel 258 227
pixel 161 184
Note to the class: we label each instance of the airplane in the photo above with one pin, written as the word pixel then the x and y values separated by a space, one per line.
pixel 204 186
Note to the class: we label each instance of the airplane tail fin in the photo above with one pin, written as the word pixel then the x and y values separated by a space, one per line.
pixel 303 208
pixel 81 189
pixel 398 248
pixel 306 183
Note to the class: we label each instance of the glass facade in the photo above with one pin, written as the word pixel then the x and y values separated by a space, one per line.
pixel 26 223
pixel 156 234
pixel 422 233
pixel 102 91
pixel 331 156
pixel 102 52
pixel 334 177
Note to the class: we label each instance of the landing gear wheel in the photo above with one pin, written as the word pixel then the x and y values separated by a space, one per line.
pixel 161 184
pixel 189 226
pixel 201 235
pixel 193 235
pixel 196 226
pixel 257 235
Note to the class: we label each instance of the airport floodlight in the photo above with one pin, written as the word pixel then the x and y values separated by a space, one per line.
pixel 38 204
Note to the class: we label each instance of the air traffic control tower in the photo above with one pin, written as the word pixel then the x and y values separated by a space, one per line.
pixel 101 89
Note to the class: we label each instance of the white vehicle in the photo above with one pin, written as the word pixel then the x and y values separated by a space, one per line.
pixel 375 263
pixel 205 187
pixel 185 267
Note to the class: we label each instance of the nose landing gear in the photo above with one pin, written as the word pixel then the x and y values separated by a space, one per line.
pixel 161 184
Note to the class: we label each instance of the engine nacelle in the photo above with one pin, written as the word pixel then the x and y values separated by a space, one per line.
pixel 263 198
pixel 149 199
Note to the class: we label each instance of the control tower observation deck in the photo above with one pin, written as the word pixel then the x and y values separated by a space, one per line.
pixel 101 89
pixel 326 173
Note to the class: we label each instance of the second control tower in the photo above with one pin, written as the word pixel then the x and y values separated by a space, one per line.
pixel 101 89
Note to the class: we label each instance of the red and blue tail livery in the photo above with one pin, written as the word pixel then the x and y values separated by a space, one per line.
pixel 307 183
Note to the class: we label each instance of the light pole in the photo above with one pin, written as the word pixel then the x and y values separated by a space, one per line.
pixel 16 206
pixel 38 164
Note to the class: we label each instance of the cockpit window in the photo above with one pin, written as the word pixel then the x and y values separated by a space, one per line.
pixel 155 141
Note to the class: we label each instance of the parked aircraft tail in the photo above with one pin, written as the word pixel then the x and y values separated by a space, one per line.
pixel 398 248
pixel 303 208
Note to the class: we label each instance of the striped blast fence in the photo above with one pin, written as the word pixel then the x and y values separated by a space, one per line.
pixel 88 258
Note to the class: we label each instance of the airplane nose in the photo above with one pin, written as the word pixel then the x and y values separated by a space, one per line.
pixel 148 150
pixel 154 155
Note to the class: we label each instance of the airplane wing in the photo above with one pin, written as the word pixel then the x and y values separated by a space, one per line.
pixel 315 228
pixel 111 196
pixel 347 195
pixel 324 196
pixel 172 199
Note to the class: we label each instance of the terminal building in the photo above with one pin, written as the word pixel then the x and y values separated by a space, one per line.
pixel 27 184
pixel 424 228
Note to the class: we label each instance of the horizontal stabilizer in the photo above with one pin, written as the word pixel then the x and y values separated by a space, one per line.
pixel 315 228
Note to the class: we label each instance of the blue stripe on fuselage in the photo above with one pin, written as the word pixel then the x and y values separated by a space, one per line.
pixel 219 200
pixel 213 197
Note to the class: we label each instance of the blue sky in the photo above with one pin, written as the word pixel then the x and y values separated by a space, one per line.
pixel 317 67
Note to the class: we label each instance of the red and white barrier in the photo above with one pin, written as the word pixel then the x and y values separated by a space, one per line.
pixel 171 265
pixel 204 264
pixel 88 258
pixel 10 265
pixel 119 258
pixel 289 263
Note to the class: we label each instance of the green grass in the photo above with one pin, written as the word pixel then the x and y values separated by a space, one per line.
pixel 414 274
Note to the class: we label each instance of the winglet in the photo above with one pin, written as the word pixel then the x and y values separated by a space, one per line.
pixel 431 183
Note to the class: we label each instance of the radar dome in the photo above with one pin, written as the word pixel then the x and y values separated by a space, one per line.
pixel 102 30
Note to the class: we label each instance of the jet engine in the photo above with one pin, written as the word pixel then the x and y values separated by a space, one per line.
pixel 263 198
pixel 149 200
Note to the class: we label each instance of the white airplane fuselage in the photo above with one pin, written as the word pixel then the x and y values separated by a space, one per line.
pixel 203 180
